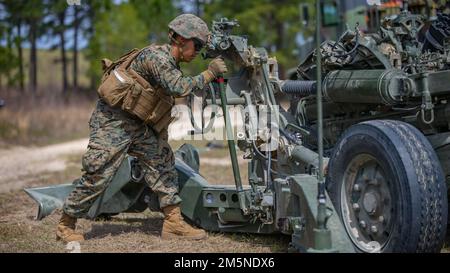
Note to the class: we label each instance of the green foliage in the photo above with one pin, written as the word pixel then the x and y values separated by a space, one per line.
pixel 272 24
pixel 8 58
pixel 115 27
pixel 155 14
pixel 117 31
pixel 195 67
pixel 54 9
pixel 7 63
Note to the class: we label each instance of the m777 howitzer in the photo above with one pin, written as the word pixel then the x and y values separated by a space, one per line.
pixel 386 113
pixel 284 194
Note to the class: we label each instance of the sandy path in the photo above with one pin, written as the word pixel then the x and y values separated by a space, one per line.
pixel 19 164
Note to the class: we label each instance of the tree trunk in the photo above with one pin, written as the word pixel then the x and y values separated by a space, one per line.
pixel 19 49
pixel 61 17
pixel 9 80
pixel 75 49
pixel 33 56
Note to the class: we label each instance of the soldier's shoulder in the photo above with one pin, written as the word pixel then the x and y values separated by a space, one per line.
pixel 155 52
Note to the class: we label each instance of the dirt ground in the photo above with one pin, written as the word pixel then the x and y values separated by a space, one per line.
pixel 23 167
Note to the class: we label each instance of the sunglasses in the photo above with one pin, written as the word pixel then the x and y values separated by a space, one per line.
pixel 198 45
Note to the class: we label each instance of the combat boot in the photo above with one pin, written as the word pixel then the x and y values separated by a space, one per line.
pixel 175 227
pixel 66 229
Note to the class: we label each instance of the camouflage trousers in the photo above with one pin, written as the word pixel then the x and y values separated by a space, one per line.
pixel 113 135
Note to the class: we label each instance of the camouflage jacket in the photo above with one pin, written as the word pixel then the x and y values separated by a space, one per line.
pixel 159 68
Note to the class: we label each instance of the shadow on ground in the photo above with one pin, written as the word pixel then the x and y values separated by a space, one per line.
pixel 145 226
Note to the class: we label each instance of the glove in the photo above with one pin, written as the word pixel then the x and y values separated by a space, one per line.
pixel 215 68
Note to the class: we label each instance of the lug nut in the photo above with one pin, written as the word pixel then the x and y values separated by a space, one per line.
pixel 373 229
pixel 357 187
pixel 355 206
pixel 362 224
pixel 381 219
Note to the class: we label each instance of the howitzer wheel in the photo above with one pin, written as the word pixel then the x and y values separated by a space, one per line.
pixel 389 189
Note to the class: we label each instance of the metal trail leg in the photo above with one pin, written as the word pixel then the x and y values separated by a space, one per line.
pixel 231 145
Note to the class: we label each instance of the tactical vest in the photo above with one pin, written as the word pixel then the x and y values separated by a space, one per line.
pixel 123 87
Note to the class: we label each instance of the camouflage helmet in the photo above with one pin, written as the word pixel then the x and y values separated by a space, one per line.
pixel 190 26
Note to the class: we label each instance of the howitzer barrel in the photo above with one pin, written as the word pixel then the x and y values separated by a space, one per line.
pixel 366 86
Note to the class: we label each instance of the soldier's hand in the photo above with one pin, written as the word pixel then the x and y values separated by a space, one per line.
pixel 217 66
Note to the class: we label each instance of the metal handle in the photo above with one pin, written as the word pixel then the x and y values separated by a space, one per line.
pixel 230 138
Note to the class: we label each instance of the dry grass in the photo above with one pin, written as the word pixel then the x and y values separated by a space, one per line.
pixel 48 116
pixel 44 118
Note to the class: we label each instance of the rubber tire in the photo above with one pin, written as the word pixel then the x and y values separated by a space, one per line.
pixel 419 181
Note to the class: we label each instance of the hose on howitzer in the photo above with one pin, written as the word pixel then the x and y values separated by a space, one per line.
pixel 300 88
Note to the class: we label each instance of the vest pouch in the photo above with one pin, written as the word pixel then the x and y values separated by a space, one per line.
pixel 123 87
pixel 132 97
pixel 144 104
pixel 162 108
pixel 115 87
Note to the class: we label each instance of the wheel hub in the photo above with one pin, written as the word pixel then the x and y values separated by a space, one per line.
pixel 370 202
pixel 366 203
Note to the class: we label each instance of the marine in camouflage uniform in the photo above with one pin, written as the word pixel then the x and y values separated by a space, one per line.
pixel 115 133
